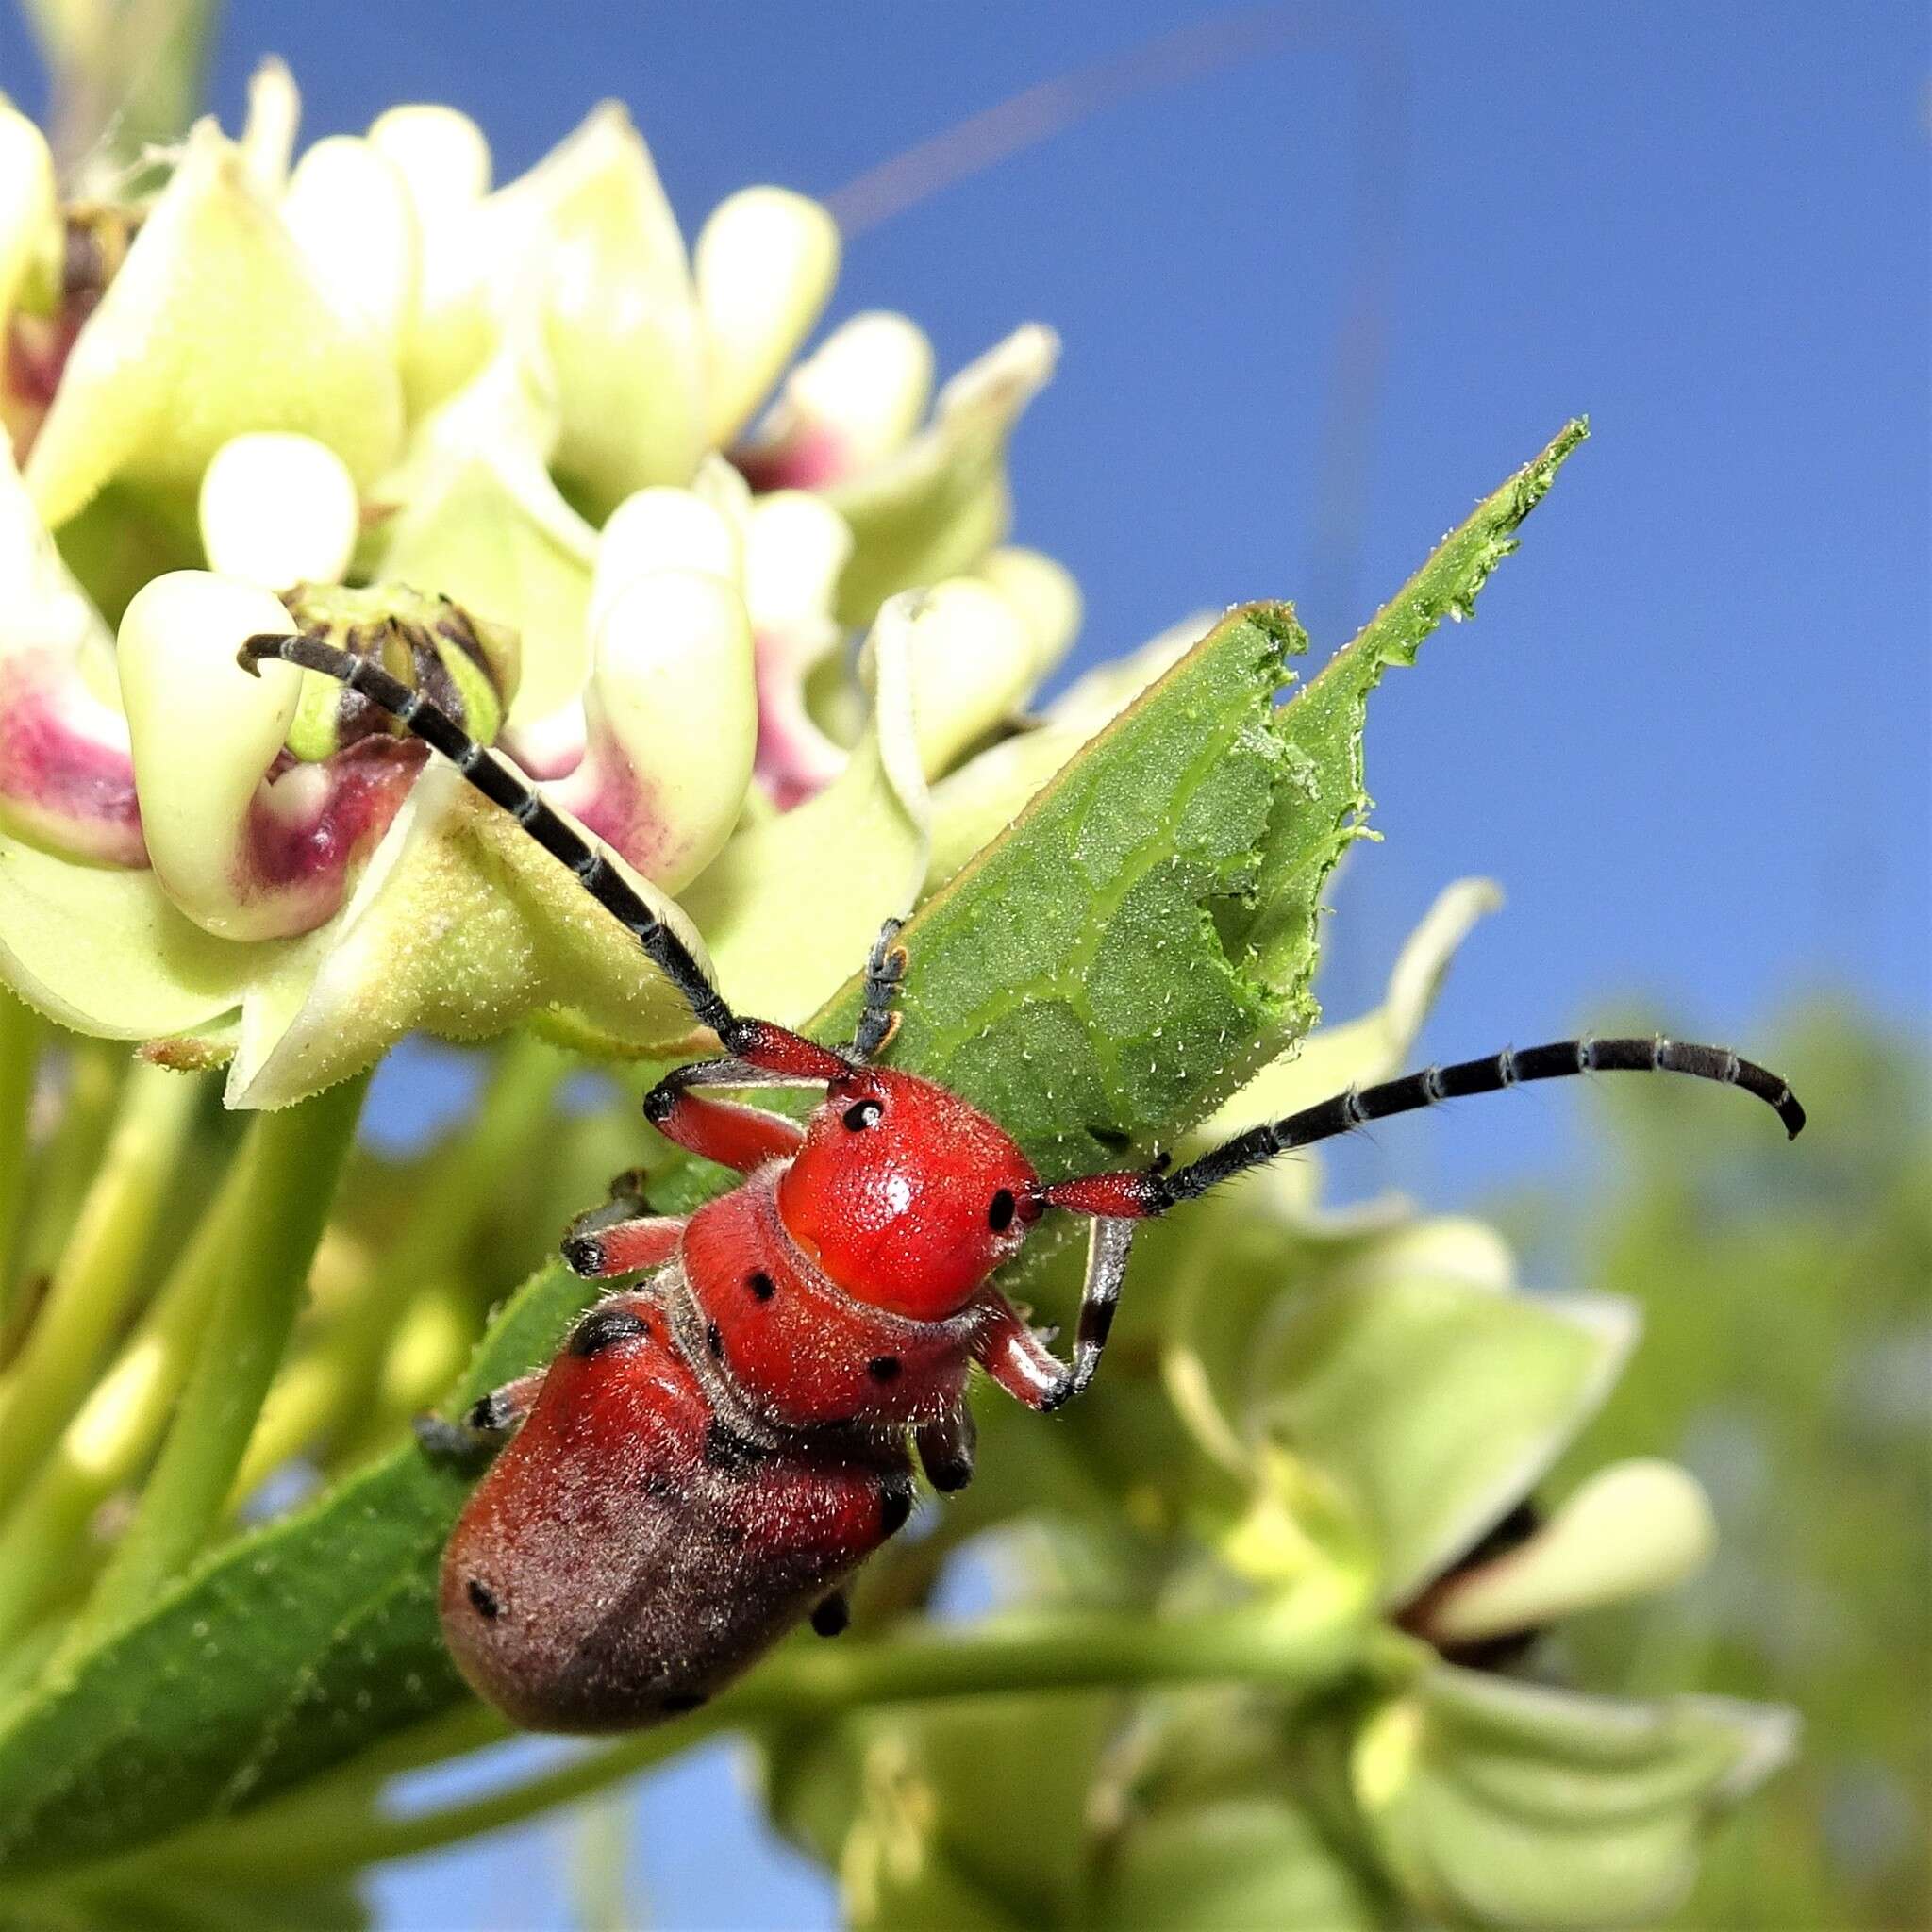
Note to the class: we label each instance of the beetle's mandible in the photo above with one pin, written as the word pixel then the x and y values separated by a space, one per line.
pixel 712 1453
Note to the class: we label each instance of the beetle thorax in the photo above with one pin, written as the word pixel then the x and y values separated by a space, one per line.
pixel 906 1196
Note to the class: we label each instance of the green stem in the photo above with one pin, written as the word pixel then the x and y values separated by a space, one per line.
pixel 62 1170
pixel 100 1272
pixel 293 1162
pixel 1294 1645
pixel 328 1388
pixel 124 73
pixel 104 1446
pixel 20 1031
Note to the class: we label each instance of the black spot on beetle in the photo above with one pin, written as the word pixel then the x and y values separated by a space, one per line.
pixel 832 1614
pixel 761 1285
pixel 862 1114
pixel 603 1328
pixel 895 1503
pixel 884 1368
pixel 999 1217
pixel 483 1598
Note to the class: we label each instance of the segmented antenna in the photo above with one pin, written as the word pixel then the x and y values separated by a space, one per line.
pixel 502 784
pixel 1510 1068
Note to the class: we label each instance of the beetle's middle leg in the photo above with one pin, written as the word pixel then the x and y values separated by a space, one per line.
pixel 484 1426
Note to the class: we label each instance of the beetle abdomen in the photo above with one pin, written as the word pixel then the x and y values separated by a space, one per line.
pixel 629 1553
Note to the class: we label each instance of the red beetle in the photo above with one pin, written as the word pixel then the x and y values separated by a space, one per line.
pixel 713 1453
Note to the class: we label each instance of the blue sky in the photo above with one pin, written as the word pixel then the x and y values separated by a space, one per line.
pixel 1312 307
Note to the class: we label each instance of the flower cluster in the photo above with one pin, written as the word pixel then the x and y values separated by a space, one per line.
pixel 364 391
pixel 1285 1592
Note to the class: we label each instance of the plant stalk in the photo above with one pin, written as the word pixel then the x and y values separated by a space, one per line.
pixel 1293 1645
pixel 291 1162
pixel 100 1272
pixel 115 1429
pixel 328 1387
pixel 125 74
pixel 21 1032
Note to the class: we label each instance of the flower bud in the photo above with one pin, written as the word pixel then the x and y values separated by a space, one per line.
pixel 764 265
pixel 278 508
pixel 851 404
pixel 215 325
pixel 29 217
pixel 795 545
pixel 1630 1530
pixel 612 290
pixel 1497 1803
pixel 203 733
pixel 940 502
pixel 661 528
pixel 971 659
pixel 671 723
pixel 443 162
pixel 1042 594
pixel 268 132
pixel 350 212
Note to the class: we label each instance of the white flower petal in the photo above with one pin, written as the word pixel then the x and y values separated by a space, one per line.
pixel 661 528
pixel 268 134
pixel 203 733
pixel 350 212
pixel 671 722
pixel 783 942
pixel 854 402
pixel 764 265
pixel 214 324
pixel 278 509
pixel 1631 1530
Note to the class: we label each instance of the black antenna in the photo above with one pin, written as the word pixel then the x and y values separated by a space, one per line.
pixel 1510 1068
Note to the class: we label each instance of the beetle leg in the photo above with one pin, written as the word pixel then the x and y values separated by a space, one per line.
pixel 884 974
pixel 945 1449
pixel 832 1614
pixel 617 1240
pixel 1016 1357
pixel 1013 1355
pixel 725 1132
pixel 485 1425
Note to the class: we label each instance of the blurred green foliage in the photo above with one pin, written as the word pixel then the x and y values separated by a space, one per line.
pixel 1787 1362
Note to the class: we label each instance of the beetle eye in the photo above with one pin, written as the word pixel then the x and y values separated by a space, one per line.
pixel 999 1217
pixel 863 1114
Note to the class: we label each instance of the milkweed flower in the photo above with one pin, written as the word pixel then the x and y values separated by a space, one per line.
pixel 509 439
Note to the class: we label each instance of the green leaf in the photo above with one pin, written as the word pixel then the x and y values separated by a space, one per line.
pixel 1135 945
